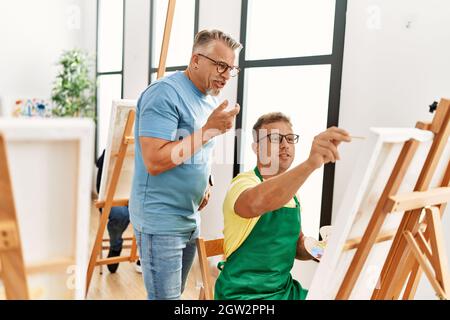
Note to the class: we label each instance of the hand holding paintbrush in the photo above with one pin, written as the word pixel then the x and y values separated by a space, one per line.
pixel 324 148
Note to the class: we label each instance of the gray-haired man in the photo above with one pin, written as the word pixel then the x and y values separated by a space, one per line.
pixel 177 118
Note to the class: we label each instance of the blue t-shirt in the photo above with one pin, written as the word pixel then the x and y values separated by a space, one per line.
pixel 170 109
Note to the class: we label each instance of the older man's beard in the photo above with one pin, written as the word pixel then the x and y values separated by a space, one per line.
pixel 213 92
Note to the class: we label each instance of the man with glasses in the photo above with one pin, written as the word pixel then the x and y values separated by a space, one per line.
pixel 177 119
pixel 262 223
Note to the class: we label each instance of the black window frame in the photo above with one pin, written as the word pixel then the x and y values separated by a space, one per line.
pixel 335 59
pixel 107 73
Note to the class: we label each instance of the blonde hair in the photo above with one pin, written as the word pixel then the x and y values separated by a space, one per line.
pixel 205 38
pixel 267 119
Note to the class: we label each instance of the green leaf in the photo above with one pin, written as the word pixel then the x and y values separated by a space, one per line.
pixel 73 91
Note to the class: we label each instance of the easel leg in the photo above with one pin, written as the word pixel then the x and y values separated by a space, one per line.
pixel 133 250
pixel 97 245
pixel 432 261
pixel 424 265
pixel 202 294
pixel 416 273
pixel 400 276
pixel 408 263
pixel 13 275
pixel 11 259
pixel 100 255
pixel 437 246
pixel 413 282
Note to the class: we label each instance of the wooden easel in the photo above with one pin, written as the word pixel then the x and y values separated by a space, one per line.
pixel 127 139
pixel 166 38
pixel 418 243
pixel 411 240
pixel 12 270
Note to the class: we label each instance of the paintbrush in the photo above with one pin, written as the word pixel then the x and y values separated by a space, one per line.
pixel 357 137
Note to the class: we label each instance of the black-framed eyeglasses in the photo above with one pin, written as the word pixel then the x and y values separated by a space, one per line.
pixel 223 67
pixel 277 138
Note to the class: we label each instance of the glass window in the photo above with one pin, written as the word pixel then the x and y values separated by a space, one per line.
pixel 182 34
pixel 300 92
pixel 110 34
pixel 289 28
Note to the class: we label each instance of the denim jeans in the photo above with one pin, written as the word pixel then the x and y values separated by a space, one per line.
pixel 118 221
pixel 166 261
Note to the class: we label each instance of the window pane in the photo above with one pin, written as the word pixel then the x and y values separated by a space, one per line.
pixel 109 89
pixel 182 35
pixel 289 28
pixel 110 30
pixel 153 76
pixel 301 92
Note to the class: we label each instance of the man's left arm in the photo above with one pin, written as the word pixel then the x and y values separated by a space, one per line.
pixel 301 253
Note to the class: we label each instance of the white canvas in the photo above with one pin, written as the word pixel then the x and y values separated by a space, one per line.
pixel 119 115
pixel 51 168
pixel 364 190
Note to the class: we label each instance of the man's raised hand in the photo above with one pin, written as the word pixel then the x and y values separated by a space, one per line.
pixel 324 148
pixel 220 121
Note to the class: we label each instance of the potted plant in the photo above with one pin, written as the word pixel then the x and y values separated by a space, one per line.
pixel 73 94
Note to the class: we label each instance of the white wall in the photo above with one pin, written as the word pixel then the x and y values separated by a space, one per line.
pixel 396 63
pixel 33 34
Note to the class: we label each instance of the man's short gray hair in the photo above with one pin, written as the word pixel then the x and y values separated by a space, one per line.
pixel 205 37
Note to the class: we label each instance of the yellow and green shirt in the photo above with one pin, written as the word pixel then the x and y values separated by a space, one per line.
pixel 237 228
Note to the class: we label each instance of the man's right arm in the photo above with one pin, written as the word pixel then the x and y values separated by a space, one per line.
pixel 275 192
pixel 161 155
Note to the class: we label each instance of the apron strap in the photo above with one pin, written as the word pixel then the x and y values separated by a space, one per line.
pixel 258 174
pixel 296 201
pixel 220 265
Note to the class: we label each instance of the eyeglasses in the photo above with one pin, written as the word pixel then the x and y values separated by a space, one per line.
pixel 278 138
pixel 223 67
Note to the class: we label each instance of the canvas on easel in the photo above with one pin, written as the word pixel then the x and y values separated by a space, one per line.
pixel 50 168
pixel 119 116
pixel 380 197
pixel 115 185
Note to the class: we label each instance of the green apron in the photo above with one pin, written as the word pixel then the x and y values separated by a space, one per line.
pixel 261 267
